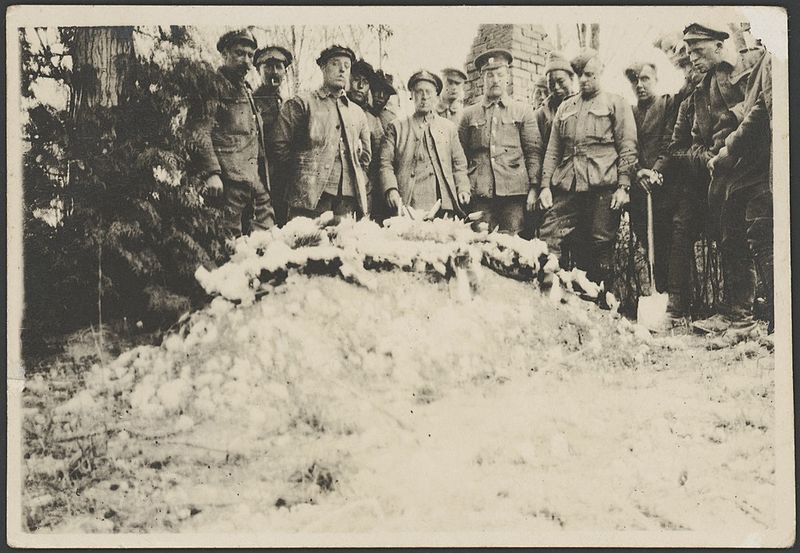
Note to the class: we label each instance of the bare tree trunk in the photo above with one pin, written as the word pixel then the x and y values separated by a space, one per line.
pixel 559 39
pixel 101 57
pixel 594 39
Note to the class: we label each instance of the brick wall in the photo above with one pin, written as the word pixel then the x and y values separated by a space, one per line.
pixel 527 43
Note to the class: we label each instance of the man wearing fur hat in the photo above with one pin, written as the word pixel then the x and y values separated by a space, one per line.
pixel 499 136
pixel 382 87
pixel 232 150
pixel 323 144
pixel 422 161
pixel 588 168
pixel 451 101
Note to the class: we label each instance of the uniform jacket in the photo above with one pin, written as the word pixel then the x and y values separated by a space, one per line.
pixel 500 144
pixel 654 130
pixel 544 116
pixel 712 124
pixel 307 141
pixel 232 145
pixel 592 143
pixel 397 158
pixel 751 142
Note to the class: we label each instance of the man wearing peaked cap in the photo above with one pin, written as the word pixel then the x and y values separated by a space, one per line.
pixel 361 75
pixel 499 136
pixel 382 87
pixel 588 166
pixel 232 150
pixel 232 37
pixel 451 102
pixel 422 161
pixel 559 75
pixel 719 109
pixel 271 63
pixel 323 144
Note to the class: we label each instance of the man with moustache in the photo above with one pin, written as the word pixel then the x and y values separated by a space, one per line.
pixel 382 88
pixel 540 91
pixel 323 143
pixel 360 76
pixel 719 109
pixel 451 102
pixel 499 136
pixel 232 152
pixel 559 75
pixel 588 167
pixel 272 63
pixel 422 161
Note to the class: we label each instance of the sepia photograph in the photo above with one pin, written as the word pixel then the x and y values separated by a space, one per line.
pixel 381 276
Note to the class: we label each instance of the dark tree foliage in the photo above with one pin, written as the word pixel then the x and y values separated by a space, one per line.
pixel 123 191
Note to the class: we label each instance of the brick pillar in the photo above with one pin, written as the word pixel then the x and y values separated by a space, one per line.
pixel 527 43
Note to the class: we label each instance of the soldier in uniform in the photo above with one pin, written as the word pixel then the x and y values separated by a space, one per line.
pixel 422 160
pixel 719 108
pixel 272 63
pixel 559 75
pixel 323 142
pixel 590 162
pixel 232 151
pixel 382 88
pixel 500 137
pixel 360 76
pixel 743 168
pixel 540 91
pixel 451 102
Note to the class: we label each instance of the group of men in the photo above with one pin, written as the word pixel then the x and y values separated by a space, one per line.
pixel 562 168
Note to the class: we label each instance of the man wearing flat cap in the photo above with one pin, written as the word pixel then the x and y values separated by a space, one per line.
pixel 422 161
pixel 588 167
pixel 719 109
pixel 499 136
pixel 360 76
pixel 232 152
pixel 323 144
pixel 271 63
pixel 382 87
pixel 451 102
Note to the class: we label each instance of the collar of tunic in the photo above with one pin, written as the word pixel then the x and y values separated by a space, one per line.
pixel 501 101
pixel 323 93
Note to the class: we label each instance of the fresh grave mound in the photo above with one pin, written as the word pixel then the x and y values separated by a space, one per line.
pixel 416 311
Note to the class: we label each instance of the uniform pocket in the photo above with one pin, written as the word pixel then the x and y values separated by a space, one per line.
pixel 599 124
pixel 476 134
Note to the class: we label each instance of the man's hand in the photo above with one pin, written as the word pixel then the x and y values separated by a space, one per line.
pixel 721 162
pixel 394 200
pixel 213 186
pixel 644 178
pixel 620 198
pixel 464 198
pixel 530 202
pixel 546 198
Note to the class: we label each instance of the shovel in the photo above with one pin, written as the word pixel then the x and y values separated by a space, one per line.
pixel 652 309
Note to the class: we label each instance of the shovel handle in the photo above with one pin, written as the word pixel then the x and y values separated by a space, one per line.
pixel 651 249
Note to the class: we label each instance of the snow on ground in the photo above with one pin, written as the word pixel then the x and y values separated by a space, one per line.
pixel 411 406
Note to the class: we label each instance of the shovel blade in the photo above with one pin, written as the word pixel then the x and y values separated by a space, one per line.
pixel 652 311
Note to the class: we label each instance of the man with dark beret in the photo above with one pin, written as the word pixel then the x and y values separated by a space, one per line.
pixel 500 137
pixel 323 142
pixel 382 87
pixel 272 63
pixel 588 167
pixel 719 109
pixel 422 161
pixel 232 151
pixel 360 76
pixel 451 102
